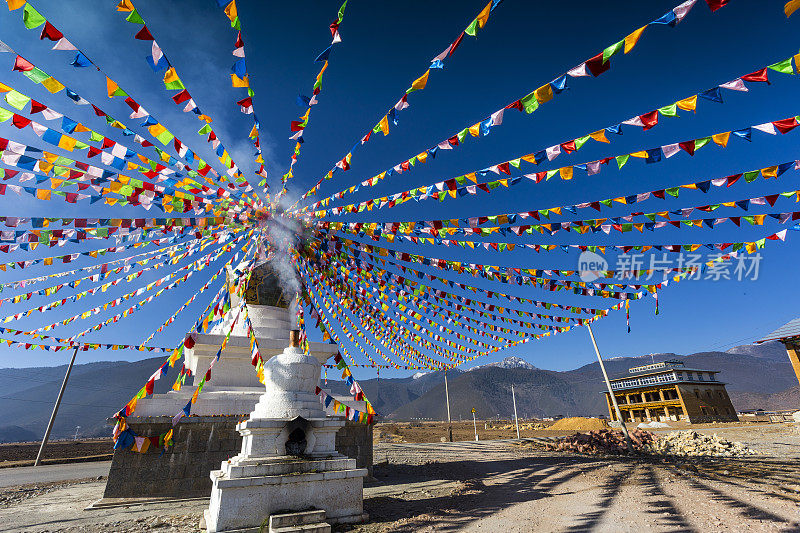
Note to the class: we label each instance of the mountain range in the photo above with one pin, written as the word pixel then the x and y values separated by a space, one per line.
pixel 757 376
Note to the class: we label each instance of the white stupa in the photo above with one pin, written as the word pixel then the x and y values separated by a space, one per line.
pixel 234 388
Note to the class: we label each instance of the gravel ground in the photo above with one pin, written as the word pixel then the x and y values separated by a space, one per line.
pixel 497 486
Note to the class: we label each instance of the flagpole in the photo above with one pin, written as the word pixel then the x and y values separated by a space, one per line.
pixel 447 399
pixel 611 392
pixel 514 398
pixel 55 408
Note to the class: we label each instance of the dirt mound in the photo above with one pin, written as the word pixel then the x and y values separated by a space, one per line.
pixel 579 423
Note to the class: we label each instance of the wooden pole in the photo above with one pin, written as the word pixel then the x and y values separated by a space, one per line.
pixel 611 392
pixel 514 398
pixel 55 408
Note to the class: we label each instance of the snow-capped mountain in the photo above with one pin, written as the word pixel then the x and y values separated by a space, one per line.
pixel 509 362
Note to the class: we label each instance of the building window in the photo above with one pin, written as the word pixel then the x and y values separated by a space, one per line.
pixel 690 376
pixel 697 393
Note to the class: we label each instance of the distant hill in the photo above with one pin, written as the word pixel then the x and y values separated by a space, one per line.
pixel 769 350
pixel 95 392
pixel 17 434
pixel 756 376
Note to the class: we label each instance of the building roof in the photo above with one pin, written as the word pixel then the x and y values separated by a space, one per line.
pixel 662 371
pixel 787 331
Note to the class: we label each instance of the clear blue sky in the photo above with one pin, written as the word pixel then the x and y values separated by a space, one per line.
pixel 384 48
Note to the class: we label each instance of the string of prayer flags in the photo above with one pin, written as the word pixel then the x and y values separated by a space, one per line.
pixel 646 120
pixel 592 67
pixel 420 83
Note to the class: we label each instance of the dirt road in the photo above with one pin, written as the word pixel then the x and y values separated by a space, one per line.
pixel 492 486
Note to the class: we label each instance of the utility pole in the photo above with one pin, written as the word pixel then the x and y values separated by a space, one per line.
pixel 447 399
pixel 474 424
pixel 514 398
pixel 611 392
pixel 55 408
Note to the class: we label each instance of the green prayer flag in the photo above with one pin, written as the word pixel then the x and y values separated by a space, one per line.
pixel 166 137
pixel 135 18
pixel 205 129
pixel 699 143
pixel 606 203
pixel 784 66
pixel 515 162
pixel 472 29
pixel 580 141
pixel 529 103
pixel 613 49
pixel 669 110
pixel 32 18
pixel 751 176
pixel 36 75
pixel 462 135
pixel 95 137
pixel 5 114
pixel 16 99
pixel 341 10
pixel 672 191
pixel 622 159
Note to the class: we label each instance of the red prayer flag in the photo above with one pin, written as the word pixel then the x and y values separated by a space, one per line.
pixel 688 146
pixel 37 107
pixel 759 75
pixel 786 125
pixel 596 65
pixel 22 65
pixel 144 34
pixel 50 32
pixel 20 121
pixel 649 120
pixel 455 44
pixel 716 4
pixel 181 96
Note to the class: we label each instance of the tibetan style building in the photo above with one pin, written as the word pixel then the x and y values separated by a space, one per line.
pixel 668 391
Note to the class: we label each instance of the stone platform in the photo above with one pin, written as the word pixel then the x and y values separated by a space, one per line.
pixel 202 443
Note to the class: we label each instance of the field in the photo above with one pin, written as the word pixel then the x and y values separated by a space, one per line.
pixel 24 454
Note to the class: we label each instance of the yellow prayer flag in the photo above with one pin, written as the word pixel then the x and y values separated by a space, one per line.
pixel 67 143
pixel 15 4
pixel 156 130
pixel 566 173
pixel 633 38
pixel 770 172
pixel 231 12
pixel 52 85
pixel 420 82
pixel 111 87
pixel 688 104
pixel 544 93
pixel 475 129
pixel 721 138
pixel 125 6
pixel 790 7
pixel 599 136
pixel 4 88
pixel 483 16
pixel 42 194
pixel 642 154
pixel 236 81
pixel 384 125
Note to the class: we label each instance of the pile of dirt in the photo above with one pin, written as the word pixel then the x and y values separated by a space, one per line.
pixel 527 426
pixel 692 443
pixel 579 423
pixel 604 441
